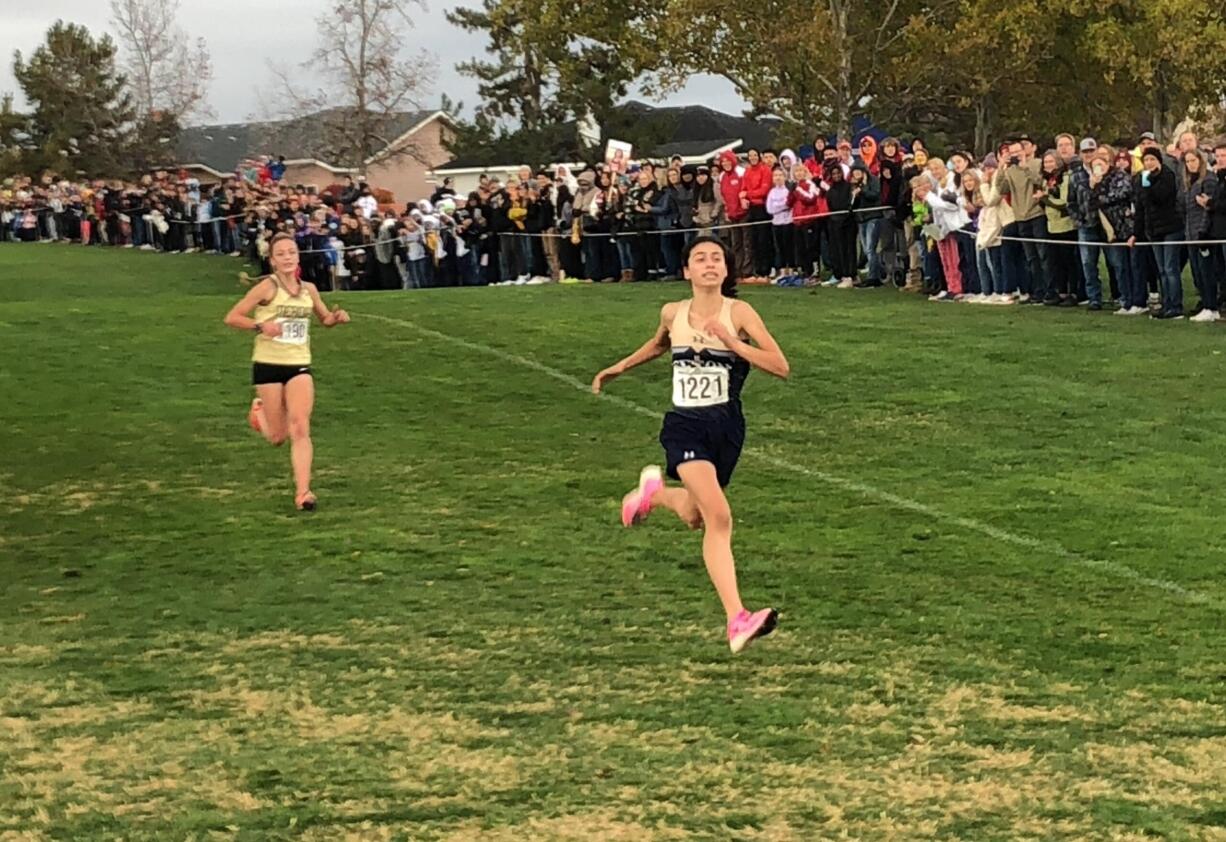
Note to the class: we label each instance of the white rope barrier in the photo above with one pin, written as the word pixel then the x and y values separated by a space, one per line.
pixel 714 226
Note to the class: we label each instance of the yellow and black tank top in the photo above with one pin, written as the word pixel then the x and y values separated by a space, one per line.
pixel 293 313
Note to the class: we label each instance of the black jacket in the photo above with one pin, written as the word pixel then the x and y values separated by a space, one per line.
pixel 540 215
pixel 1217 209
pixel 1157 206
pixel 499 204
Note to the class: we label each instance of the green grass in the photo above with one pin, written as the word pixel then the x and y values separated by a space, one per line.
pixel 1023 643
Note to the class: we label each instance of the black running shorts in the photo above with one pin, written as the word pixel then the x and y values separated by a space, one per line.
pixel 717 440
pixel 267 374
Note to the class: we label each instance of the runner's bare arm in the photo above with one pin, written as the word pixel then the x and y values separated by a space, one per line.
pixel 327 318
pixel 650 350
pixel 239 316
pixel 764 353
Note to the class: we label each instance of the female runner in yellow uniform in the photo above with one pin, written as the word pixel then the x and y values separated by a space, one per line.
pixel 278 309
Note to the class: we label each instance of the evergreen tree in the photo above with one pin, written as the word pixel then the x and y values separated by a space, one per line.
pixel 80 118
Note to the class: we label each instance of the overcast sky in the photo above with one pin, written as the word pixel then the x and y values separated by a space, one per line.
pixel 244 34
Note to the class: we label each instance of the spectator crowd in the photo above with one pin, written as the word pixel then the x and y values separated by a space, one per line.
pixel 1019 226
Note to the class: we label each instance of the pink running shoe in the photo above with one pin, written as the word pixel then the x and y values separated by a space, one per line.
pixel 637 504
pixel 745 627
pixel 253 417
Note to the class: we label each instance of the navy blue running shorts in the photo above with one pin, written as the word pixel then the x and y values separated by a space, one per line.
pixel 717 440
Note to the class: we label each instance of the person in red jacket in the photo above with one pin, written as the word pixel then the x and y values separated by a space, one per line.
pixel 804 200
pixel 736 213
pixel 757 185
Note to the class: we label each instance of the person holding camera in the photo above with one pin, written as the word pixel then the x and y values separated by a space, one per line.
pixel 1020 179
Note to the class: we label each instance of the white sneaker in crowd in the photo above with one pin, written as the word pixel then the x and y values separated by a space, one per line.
pixel 1205 316
pixel 847 283
pixel 1153 298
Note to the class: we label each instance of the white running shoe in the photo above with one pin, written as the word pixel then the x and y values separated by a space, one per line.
pixel 1205 316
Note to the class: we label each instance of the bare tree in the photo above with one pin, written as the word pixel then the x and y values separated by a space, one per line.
pixel 367 81
pixel 168 74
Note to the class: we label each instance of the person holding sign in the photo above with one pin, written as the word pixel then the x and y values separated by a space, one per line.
pixel 714 340
pixel 278 309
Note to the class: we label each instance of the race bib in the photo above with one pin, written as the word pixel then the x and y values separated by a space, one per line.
pixel 293 331
pixel 700 385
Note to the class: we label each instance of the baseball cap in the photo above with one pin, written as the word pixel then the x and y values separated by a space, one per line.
pixel 1089 144
pixel 1148 136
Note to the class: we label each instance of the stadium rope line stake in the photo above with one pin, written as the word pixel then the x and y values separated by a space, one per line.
pixel 278 309
pixel 714 340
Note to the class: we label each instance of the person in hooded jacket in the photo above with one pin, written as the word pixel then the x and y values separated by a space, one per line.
pixel 666 208
pixel 570 265
pixel 893 191
pixel 736 213
pixel 757 183
pixel 841 226
pixel 685 194
pixel 869 221
pixel 1215 207
pixel 1158 222
pixel 640 218
pixel 803 201
pixel 593 227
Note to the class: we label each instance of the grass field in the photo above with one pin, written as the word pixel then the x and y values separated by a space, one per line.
pixel 994 536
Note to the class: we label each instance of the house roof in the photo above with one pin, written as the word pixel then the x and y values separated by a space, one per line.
pixel 696 126
pixel 221 147
pixel 691 131
pixel 695 148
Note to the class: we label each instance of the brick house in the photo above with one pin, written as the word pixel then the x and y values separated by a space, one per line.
pixel 403 166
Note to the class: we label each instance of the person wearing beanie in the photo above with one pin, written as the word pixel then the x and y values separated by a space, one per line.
pixel 1157 220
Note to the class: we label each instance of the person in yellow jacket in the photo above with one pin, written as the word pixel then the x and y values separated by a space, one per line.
pixel 278 310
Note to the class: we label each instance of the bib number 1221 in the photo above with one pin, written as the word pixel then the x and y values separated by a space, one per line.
pixel 700 388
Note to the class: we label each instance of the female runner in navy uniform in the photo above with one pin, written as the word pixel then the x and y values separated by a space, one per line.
pixel 709 336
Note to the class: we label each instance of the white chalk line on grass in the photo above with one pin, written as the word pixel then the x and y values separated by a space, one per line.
pixel 1112 568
